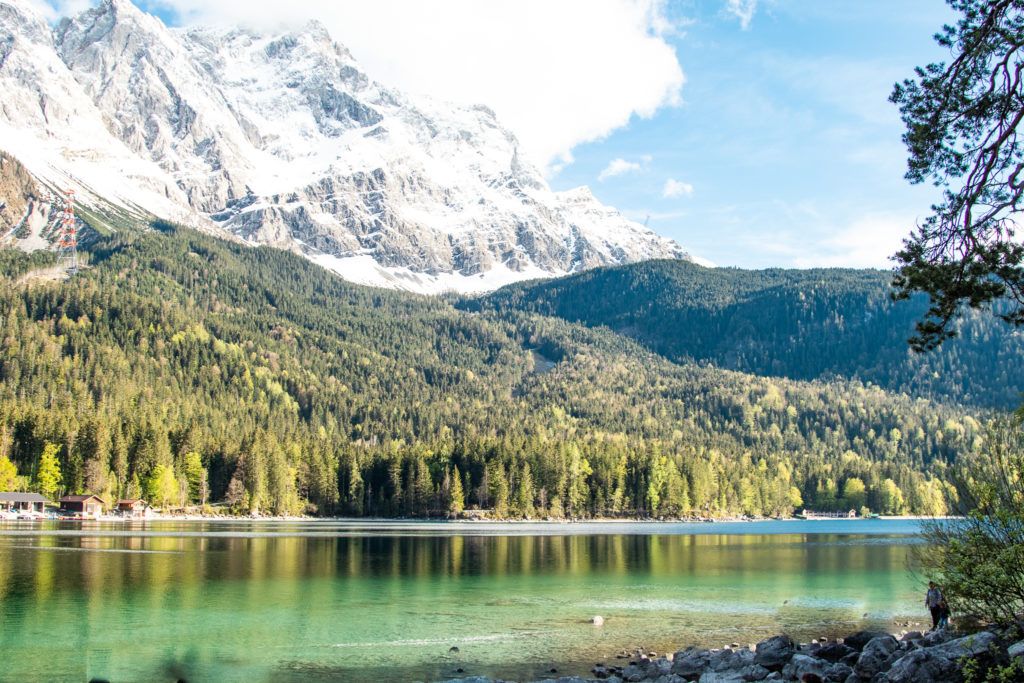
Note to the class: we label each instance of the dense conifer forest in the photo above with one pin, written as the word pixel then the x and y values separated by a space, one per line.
pixel 801 324
pixel 190 370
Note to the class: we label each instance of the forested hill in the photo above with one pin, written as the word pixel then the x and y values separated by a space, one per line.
pixel 184 368
pixel 801 324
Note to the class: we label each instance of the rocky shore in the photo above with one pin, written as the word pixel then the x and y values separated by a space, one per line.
pixel 864 657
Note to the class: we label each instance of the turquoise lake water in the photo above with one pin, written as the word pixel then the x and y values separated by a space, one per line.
pixel 280 601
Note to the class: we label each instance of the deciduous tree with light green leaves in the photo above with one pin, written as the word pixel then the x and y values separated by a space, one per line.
pixel 978 557
pixel 8 475
pixel 161 486
pixel 48 475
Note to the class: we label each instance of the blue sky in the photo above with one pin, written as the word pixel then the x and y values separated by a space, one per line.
pixel 756 133
pixel 785 148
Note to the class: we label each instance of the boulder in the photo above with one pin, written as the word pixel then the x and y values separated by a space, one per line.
pixel 754 672
pixel 773 653
pixel 634 673
pixel 659 667
pixel 969 646
pixel 851 659
pixel 861 638
pixel 838 672
pixel 933 638
pixel 922 666
pixel 876 657
pixel 690 663
pixel 800 664
pixel 833 652
pixel 911 636
pixel 724 660
pixel 1016 650
pixel 722 677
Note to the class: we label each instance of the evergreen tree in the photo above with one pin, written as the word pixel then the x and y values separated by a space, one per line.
pixel 456 498
pixel 498 486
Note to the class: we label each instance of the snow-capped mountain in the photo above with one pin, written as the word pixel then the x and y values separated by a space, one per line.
pixel 283 140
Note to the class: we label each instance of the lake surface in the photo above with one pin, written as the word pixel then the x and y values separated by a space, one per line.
pixel 280 601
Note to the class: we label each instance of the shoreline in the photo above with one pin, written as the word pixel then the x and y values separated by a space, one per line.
pixel 882 655
pixel 159 517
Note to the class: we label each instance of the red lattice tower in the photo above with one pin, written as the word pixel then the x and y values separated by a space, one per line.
pixel 67 244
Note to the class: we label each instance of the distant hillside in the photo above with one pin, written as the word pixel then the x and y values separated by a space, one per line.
pixel 186 368
pixel 800 324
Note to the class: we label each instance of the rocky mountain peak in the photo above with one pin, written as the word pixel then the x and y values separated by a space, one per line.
pixel 281 138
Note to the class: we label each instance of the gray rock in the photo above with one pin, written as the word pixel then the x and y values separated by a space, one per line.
pixel 921 666
pixel 1016 650
pixel 690 663
pixel 754 672
pixel 670 678
pixel 799 664
pixel 968 646
pixel 722 677
pixel 838 672
pixel 850 659
pixel 773 653
pixel 933 638
pixel 858 640
pixel 876 657
pixel 911 636
pixel 887 644
pixel 833 652
pixel 659 667
pixel 634 672
pixel 724 660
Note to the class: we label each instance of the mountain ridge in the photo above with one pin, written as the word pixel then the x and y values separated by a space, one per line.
pixel 282 139
pixel 812 324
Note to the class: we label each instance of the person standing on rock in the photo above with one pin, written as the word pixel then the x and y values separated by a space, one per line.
pixel 932 601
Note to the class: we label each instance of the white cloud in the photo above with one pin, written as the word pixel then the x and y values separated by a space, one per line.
pixel 743 10
pixel 618 167
pixel 866 242
pixel 676 188
pixel 558 74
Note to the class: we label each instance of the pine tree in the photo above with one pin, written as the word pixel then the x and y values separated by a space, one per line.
pixel 456 499
pixel 498 485
pixel 524 494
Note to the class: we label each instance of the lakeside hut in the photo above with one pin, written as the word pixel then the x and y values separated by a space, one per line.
pixel 134 508
pixel 16 503
pixel 89 506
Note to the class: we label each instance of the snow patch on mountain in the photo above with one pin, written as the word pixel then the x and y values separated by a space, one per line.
pixel 282 139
